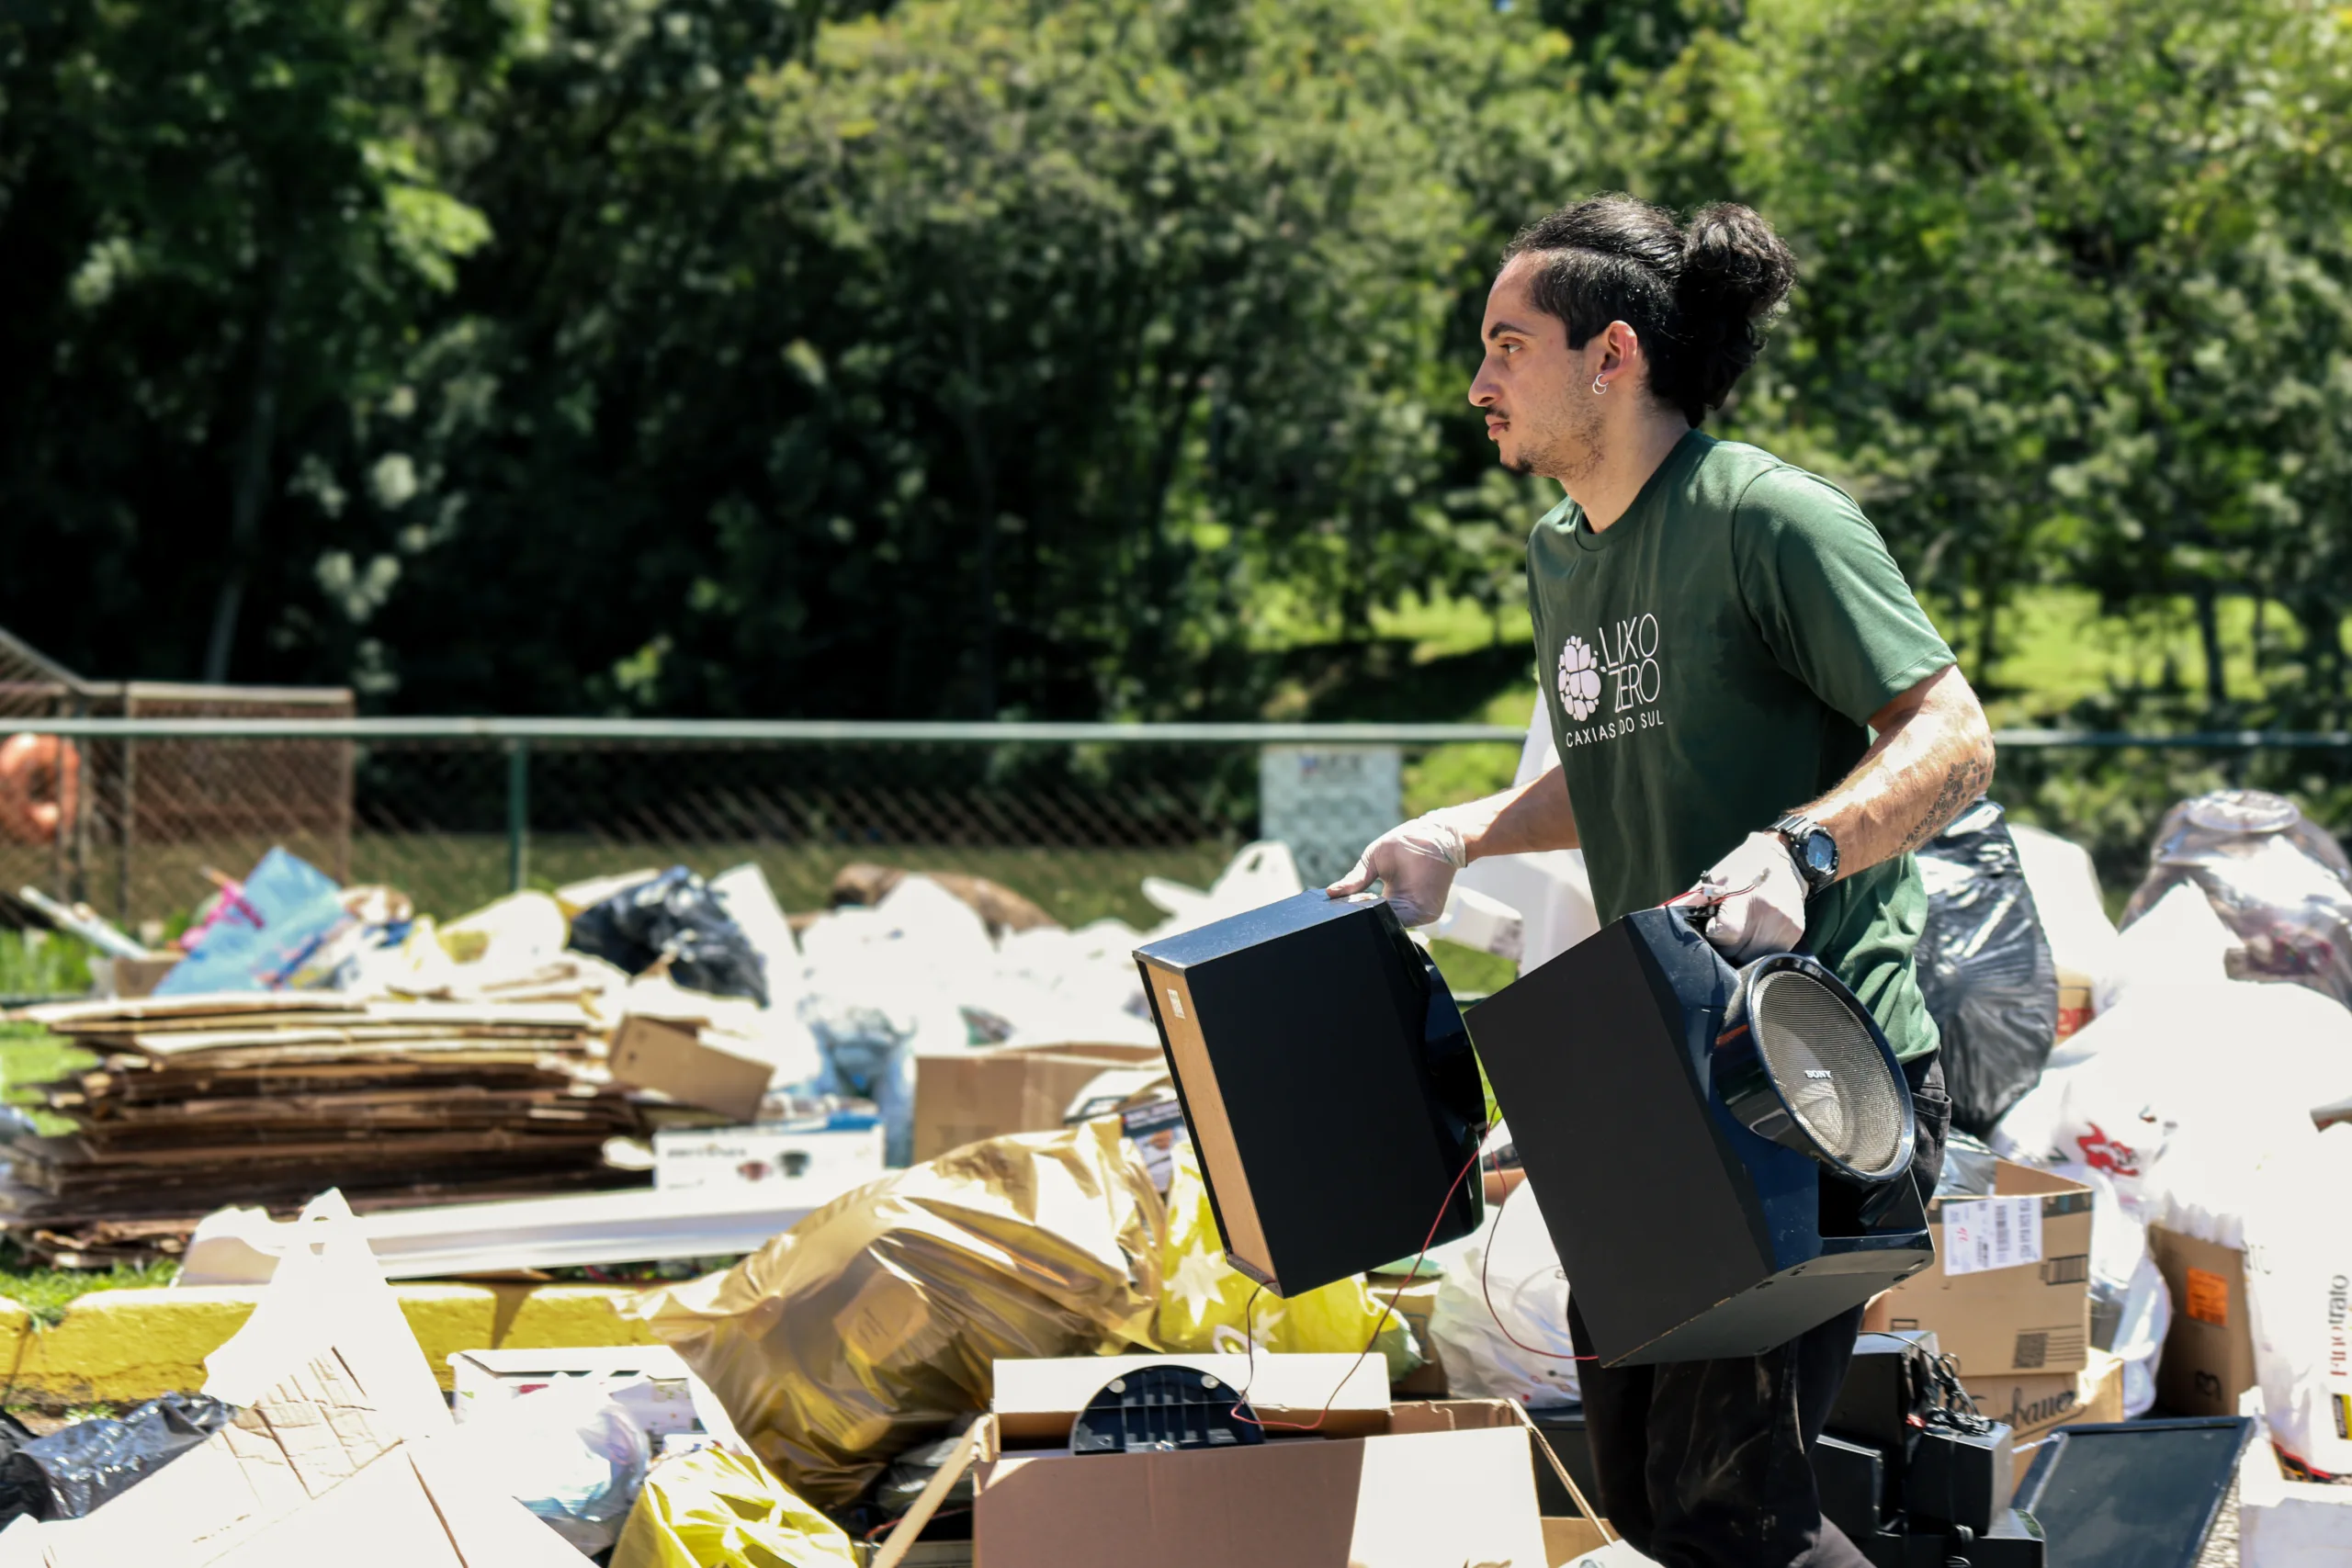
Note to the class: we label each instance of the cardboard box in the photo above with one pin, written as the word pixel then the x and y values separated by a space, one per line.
pixel 2208 1358
pixel 140 976
pixel 677 1060
pixel 2074 1000
pixel 1447 1484
pixel 2023 1303
pixel 767 1158
pixel 1035 1400
pixel 2035 1405
pixel 973 1095
pixel 1569 1542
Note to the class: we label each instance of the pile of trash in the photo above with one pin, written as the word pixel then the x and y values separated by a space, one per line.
pixel 938 1129
pixel 200 1100
pixel 302 1036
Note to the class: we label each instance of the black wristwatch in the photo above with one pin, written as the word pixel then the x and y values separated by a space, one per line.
pixel 1811 848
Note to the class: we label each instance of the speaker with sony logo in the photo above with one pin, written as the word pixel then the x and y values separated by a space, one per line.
pixel 1329 1087
pixel 1722 1155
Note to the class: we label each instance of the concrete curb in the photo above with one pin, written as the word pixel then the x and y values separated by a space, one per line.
pixel 121 1346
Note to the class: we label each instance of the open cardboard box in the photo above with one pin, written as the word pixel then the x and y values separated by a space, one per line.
pixel 1035 1400
pixel 2035 1405
pixel 971 1095
pixel 689 1065
pixel 1429 1485
pixel 2027 1316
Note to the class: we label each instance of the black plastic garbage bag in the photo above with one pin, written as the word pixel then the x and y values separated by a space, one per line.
pixel 677 917
pixel 74 1469
pixel 1984 968
pixel 15 1497
pixel 2281 885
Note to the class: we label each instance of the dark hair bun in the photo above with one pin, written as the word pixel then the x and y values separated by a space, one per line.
pixel 1735 271
pixel 1699 296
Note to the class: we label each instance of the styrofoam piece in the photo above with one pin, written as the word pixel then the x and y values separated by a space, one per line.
pixel 743 892
pixel 1551 889
pixel 242 1247
pixel 1475 920
pixel 2284 1523
pixel 1259 875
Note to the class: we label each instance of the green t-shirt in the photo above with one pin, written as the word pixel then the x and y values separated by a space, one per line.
pixel 1711 662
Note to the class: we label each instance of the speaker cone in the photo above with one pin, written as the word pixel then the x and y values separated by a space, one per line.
pixel 1802 1062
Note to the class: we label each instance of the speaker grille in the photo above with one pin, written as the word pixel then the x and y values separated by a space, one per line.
pixel 1828 1069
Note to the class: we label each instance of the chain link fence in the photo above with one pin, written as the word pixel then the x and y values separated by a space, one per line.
pixel 455 813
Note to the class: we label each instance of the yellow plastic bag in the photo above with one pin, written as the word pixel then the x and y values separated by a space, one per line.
pixel 874 1322
pixel 1201 1307
pixel 714 1509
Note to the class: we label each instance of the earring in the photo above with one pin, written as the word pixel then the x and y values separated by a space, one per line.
pixel 1599 385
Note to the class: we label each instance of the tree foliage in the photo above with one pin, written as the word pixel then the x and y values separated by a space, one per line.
pixel 972 358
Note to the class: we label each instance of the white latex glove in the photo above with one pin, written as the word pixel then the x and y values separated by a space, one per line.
pixel 1415 862
pixel 1769 917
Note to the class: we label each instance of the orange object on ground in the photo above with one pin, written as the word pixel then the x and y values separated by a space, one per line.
pixel 40 781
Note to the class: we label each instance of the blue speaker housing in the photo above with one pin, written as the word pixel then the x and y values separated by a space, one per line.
pixel 1686 1236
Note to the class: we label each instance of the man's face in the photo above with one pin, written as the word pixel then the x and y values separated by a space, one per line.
pixel 1536 391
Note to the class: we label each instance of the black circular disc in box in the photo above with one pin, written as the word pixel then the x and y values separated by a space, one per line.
pixel 1163 1409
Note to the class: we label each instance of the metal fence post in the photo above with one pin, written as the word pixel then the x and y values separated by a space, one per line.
pixel 518 812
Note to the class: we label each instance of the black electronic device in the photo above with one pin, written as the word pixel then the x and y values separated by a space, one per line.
pixel 1164 1408
pixel 1851 1481
pixel 1717 1151
pixel 1886 1392
pixel 2134 1493
pixel 1913 1472
pixel 1959 1479
pixel 1328 1084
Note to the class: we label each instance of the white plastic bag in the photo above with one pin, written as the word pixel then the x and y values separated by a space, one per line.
pixel 2299 1289
pixel 2216 1072
pixel 575 1453
pixel 2066 896
pixel 2125 1284
pixel 1530 1295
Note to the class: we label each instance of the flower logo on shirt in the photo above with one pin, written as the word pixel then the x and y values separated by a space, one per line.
pixel 1580 679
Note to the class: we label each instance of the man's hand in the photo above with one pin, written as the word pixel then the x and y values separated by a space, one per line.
pixel 1769 916
pixel 1416 861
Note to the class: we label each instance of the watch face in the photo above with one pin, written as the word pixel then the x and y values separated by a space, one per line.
pixel 1821 853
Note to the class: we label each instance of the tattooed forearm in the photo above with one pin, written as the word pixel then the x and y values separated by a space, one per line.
pixel 1932 758
pixel 1963 782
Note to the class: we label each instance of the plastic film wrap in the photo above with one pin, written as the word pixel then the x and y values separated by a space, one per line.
pixel 872 1325
pixel 2281 885
pixel 1206 1298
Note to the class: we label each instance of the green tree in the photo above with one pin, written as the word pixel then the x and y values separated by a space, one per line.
pixel 2074 304
pixel 216 225
pixel 993 358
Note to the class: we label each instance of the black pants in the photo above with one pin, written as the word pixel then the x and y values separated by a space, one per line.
pixel 1704 1464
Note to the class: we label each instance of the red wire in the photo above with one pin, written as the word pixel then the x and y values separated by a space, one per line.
pixel 1714 896
pixel 1485 1291
pixel 1249 1338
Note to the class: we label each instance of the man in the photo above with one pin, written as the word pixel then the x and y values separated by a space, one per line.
pixel 1742 689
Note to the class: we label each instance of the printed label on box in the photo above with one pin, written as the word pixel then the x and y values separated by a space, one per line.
pixel 1985 1233
pixel 769 1157
pixel 2208 1297
pixel 2039 1347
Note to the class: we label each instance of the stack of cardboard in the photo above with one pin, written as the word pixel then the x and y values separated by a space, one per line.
pixel 197 1101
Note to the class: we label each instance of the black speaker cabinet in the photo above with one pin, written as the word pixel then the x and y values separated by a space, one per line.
pixel 1721 1155
pixel 1330 1089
